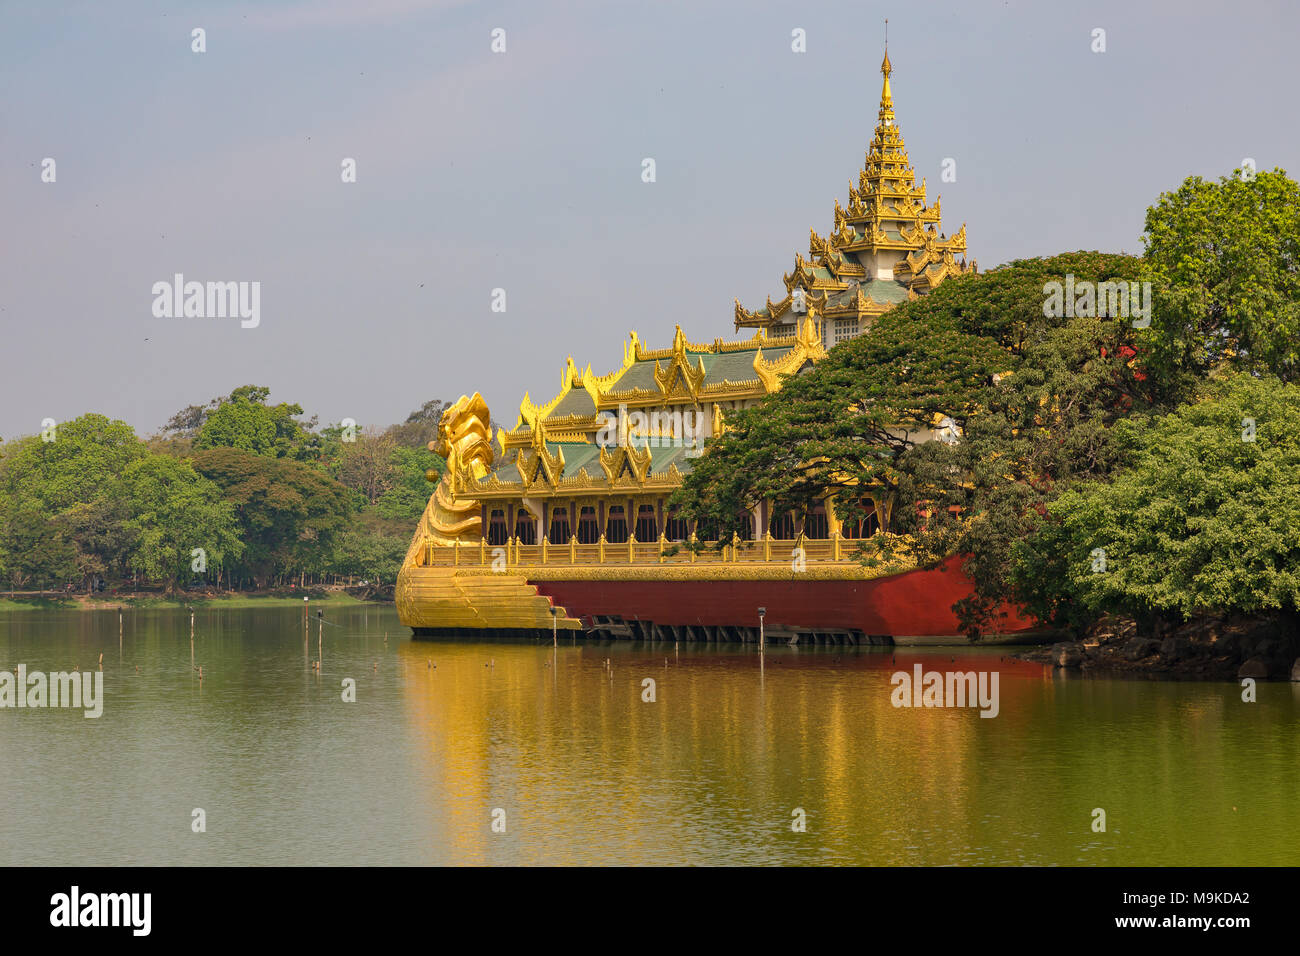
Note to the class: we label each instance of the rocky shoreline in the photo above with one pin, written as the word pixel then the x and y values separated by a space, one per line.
pixel 1205 648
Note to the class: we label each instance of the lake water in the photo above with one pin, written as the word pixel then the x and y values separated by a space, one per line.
pixel 565 752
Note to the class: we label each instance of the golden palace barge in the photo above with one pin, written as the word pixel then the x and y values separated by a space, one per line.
pixel 565 524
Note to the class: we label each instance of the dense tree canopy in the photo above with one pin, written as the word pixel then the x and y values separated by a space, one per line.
pixel 1203 518
pixel 286 510
pixel 1225 260
pixel 251 487
pixel 174 513
pixel 83 457
pixel 59 504
pixel 245 421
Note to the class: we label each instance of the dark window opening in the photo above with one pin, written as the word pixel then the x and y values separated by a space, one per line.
pixel 498 532
pixel 616 525
pixel 676 528
pixel 588 528
pixel 526 528
pixel 647 525
pixel 559 532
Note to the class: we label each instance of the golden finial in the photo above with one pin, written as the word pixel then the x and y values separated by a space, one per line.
pixel 886 95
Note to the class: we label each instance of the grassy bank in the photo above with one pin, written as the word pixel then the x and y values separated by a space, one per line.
pixel 83 602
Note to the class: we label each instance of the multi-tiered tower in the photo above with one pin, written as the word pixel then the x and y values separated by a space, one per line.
pixel 885 248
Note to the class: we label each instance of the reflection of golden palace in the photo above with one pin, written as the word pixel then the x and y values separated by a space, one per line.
pixel 565 512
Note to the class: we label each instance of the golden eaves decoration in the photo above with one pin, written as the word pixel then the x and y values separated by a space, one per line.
pixel 538 461
pixel 620 460
pixel 808 348
pixel 679 372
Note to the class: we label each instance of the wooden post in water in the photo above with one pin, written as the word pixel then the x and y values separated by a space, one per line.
pixel 555 638
pixel 762 640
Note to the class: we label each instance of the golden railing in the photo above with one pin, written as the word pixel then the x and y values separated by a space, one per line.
pixel 765 550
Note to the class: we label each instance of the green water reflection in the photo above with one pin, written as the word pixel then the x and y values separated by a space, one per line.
pixel 442 734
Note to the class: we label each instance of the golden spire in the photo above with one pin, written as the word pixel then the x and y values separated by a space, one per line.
pixel 886 97
pixel 886 94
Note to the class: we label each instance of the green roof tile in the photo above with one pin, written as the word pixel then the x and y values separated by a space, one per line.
pixel 577 402
pixel 886 290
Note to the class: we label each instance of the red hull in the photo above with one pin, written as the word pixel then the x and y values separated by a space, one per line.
pixel 912 604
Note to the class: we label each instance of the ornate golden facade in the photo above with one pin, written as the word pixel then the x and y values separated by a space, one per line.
pixel 578 489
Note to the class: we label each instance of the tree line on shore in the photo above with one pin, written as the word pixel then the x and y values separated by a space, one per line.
pixel 237 493
pixel 1102 462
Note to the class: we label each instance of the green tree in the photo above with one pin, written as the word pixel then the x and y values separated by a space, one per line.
pixel 410 491
pixel 1225 260
pixel 174 511
pixel 1203 520
pixel 64 488
pixel 368 553
pixel 239 424
pixel 244 421
pixel 101 533
pixel 86 455
pixel 846 424
pixel 37 551
pixel 287 511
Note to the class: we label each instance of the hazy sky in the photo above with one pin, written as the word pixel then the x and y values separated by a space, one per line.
pixel 522 171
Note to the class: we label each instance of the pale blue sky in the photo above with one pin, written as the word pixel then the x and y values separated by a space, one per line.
pixel 522 171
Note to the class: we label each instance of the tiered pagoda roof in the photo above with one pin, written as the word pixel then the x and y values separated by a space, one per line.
pixel 884 248
pixel 557 444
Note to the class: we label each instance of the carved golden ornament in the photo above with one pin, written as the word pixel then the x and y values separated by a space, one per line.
pixel 679 370
pixel 686 345
pixel 807 348
pixel 539 461
pixel 624 460
pixel 719 425
pixel 596 386
pixel 815 243
pixel 464 440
